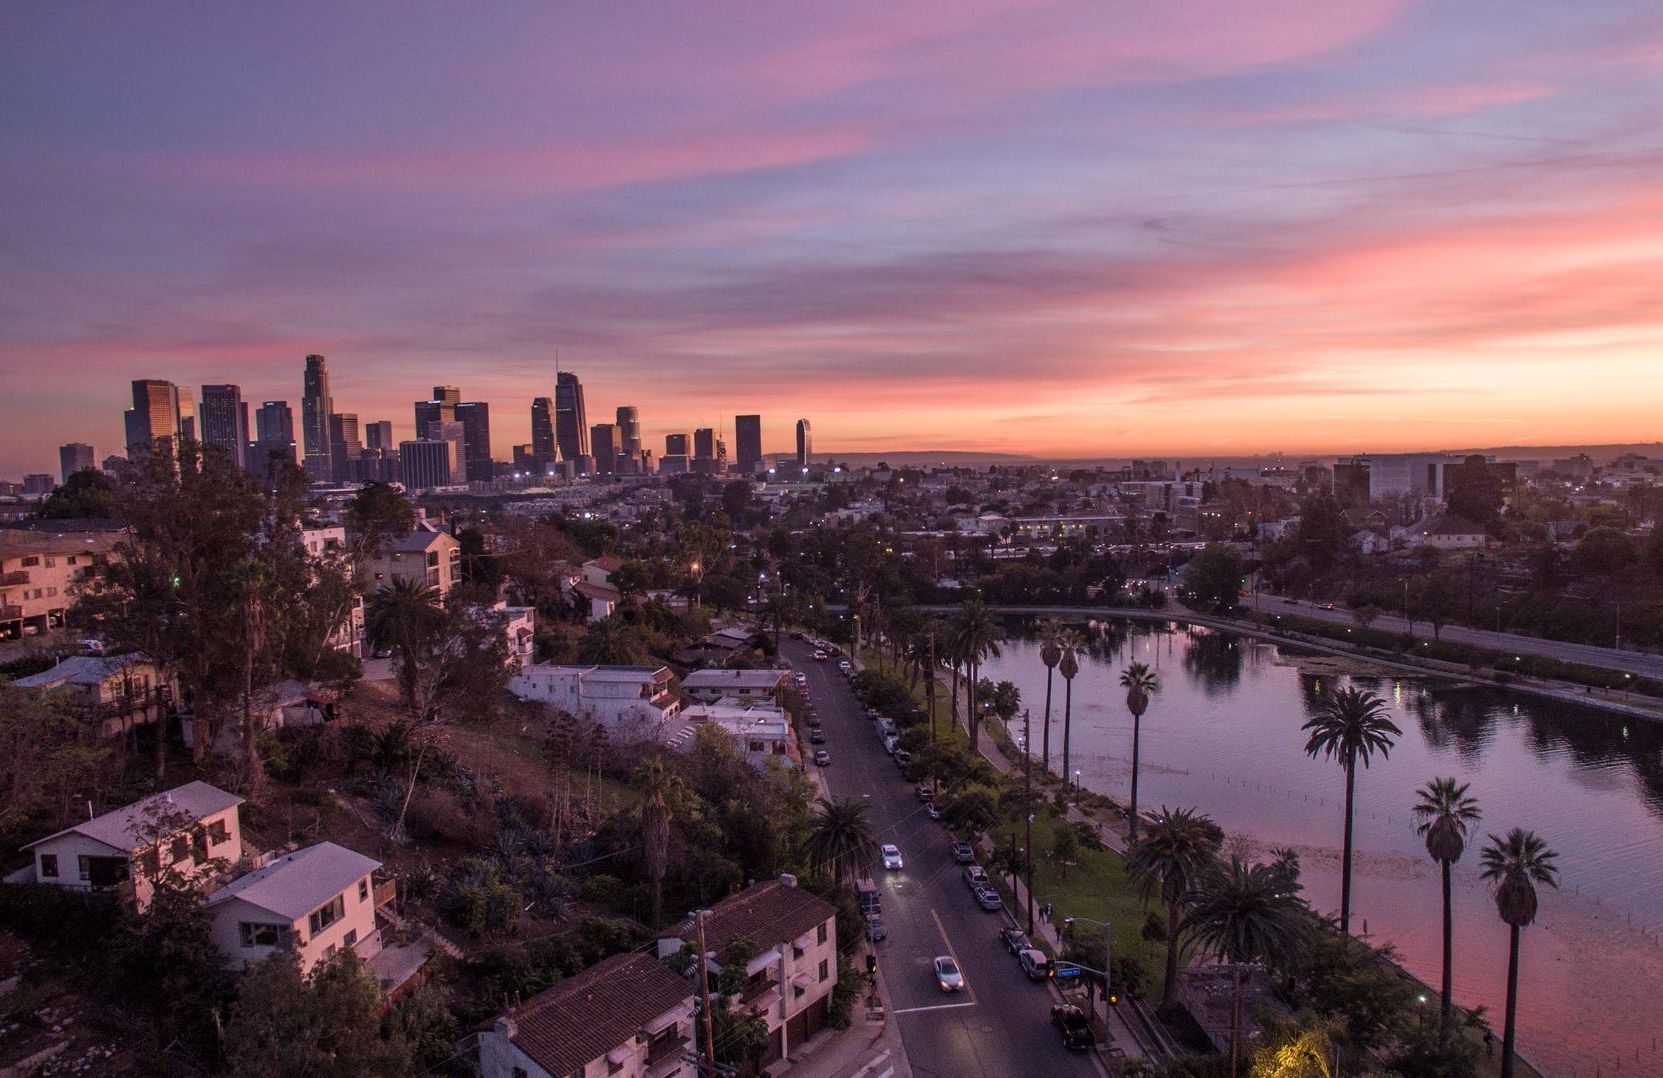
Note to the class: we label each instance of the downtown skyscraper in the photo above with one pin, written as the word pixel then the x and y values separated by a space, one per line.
pixel 273 433
pixel 571 420
pixel 316 406
pixel 805 443
pixel 543 446
pixel 747 433
pixel 153 421
pixel 223 421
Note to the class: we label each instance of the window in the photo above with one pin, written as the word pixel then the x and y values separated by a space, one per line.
pixel 51 563
pixel 796 951
pixel 364 889
pixel 30 561
pixel 48 866
pixel 350 938
pixel 326 915
pixel 179 849
pixel 150 860
pixel 824 968
pixel 84 863
pixel 218 832
pixel 263 935
pixel 820 933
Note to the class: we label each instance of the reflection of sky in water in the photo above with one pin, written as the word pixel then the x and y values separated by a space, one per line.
pixel 1223 735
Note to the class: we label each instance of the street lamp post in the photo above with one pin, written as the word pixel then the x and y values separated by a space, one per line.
pixel 1108 956
pixel 1028 809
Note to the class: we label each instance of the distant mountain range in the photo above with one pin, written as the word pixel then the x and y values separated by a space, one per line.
pixel 926 457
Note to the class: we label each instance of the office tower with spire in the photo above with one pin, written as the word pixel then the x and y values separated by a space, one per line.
pixel 224 421
pixel 805 444
pixel 76 457
pixel 475 417
pixel 747 431
pixel 153 421
pixel 316 406
pixel 571 420
pixel 543 451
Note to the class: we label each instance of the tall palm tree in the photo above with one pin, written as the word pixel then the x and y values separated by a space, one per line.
pixel 400 617
pixel 842 837
pixel 978 636
pixel 1050 653
pixel 1140 683
pixel 658 784
pixel 1446 815
pixel 1068 665
pixel 1175 854
pixel 1350 728
pixel 1516 864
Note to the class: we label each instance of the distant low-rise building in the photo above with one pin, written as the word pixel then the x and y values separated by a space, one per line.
pixel 760 733
pixel 191 832
pixel 626 1017
pixel 39 573
pixel 425 554
pixel 745 686
pixel 114 693
pixel 1448 531
pixel 627 699
pixel 318 901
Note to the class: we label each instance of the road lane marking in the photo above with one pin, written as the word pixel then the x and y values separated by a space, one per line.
pixel 935 1007
pixel 877 1060
pixel 945 942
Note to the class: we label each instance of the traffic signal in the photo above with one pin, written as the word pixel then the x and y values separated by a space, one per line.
pixel 871 965
pixel 1114 998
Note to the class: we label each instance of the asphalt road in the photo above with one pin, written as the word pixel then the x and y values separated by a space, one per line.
pixel 1000 1024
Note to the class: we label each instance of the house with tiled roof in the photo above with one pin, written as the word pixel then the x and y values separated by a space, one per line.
pixel 628 1016
pixel 790 980
pixel 192 833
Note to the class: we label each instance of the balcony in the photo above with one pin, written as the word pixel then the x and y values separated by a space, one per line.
pixel 761 993
pixel 17 576
pixel 665 1054
pixel 11 613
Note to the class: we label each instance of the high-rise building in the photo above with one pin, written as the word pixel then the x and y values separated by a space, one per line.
pixel 543 450
pixel 675 445
pixel 747 431
pixel 38 483
pixel 345 447
pixel 224 421
pixel 187 417
pixel 273 433
pixel 525 460
pixel 433 411
pixel 805 443
pixel 629 432
pixel 426 463
pixel 603 438
pixel 704 444
pixel 154 418
pixel 475 417
pixel 571 420
pixel 379 435
pixel 450 395
pixel 75 457
pixel 316 406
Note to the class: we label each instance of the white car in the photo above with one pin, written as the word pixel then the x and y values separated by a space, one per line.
pixel 947 974
pixel 892 856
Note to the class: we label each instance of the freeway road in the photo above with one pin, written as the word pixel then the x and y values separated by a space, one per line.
pixel 1000 1024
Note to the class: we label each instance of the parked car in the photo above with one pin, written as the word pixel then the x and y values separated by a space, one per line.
pixel 875 929
pixel 962 853
pixel 1015 940
pixel 892 856
pixel 1035 964
pixel 1071 1023
pixel 988 899
pixel 820 656
pixel 947 974
pixel 1290 602
pixel 817 737
pixel 822 758
pixel 931 810
pixel 975 876
pixel 925 792
pixel 843 665
pixel 813 720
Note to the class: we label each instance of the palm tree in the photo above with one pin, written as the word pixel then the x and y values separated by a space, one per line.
pixel 657 784
pixel 1446 814
pixel 1245 914
pixel 978 636
pixel 1516 863
pixel 1050 653
pixel 1351 728
pixel 1176 853
pixel 400 617
pixel 1139 682
pixel 842 837
pixel 1069 665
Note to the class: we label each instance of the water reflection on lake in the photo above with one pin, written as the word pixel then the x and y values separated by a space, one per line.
pixel 1223 735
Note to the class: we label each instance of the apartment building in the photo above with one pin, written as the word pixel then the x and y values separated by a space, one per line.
pixel 39 572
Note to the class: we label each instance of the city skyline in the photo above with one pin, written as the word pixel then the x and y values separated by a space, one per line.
pixel 1050 229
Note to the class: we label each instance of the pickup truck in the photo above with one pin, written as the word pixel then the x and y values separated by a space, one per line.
pixel 1071 1023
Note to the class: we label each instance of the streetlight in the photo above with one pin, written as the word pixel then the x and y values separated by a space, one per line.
pixel 1108 955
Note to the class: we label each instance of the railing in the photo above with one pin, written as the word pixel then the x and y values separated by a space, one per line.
pixel 11 613
pixel 18 576
pixel 666 1050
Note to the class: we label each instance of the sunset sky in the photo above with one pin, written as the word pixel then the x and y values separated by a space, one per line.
pixel 1083 229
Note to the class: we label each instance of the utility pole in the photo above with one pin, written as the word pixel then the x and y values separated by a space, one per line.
pixel 704 996
pixel 929 686
pixel 1028 810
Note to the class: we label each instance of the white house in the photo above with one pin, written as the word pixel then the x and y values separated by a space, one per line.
pixel 747 686
pixel 192 832
pixel 519 630
pixel 628 699
pixel 761 733
pixel 795 968
pixel 115 692
pixel 1447 531
pixel 626 1017
pixel 425 554
pixel 317 900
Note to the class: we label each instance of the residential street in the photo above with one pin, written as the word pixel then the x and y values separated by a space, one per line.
pixel 1000 1024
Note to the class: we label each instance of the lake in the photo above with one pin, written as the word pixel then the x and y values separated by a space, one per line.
pixel 1223 735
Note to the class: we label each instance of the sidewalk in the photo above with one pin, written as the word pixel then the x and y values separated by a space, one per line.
pixel 869 1048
